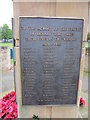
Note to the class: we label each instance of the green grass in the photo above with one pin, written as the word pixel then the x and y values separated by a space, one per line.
pixel 87 45
pixel 6 45
pixel 11 61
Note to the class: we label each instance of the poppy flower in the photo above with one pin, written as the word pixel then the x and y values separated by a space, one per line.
pixel 8 106
pixel 82 101
pixel 12 93
pixel 13 99
pixel 1 103
pixel 2 111
pixel 9 116
pixel 15 113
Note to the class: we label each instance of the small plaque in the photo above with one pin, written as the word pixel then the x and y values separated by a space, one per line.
pixel 50 51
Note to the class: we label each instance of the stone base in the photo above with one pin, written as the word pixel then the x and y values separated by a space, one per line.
pixel 68 111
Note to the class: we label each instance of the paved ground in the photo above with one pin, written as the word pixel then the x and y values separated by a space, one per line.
pixel 7 80
pixel 84 94
pixel 6 72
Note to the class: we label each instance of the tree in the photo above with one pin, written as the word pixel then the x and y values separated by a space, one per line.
pixel 0 33
pixel 88 36
pixel 6 32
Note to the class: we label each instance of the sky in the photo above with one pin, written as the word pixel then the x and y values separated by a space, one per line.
pixel 6 12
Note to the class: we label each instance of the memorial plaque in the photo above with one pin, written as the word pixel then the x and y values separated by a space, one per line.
pixel 50 51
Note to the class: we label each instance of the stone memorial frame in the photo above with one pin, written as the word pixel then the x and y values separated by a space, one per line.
pixel 69 9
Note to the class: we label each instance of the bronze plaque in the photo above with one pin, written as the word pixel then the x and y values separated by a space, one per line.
pixel 50 51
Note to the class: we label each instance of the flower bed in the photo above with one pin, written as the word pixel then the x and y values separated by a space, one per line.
pixel 8 106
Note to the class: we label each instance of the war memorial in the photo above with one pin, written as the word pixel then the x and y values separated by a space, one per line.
pixel 49 41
